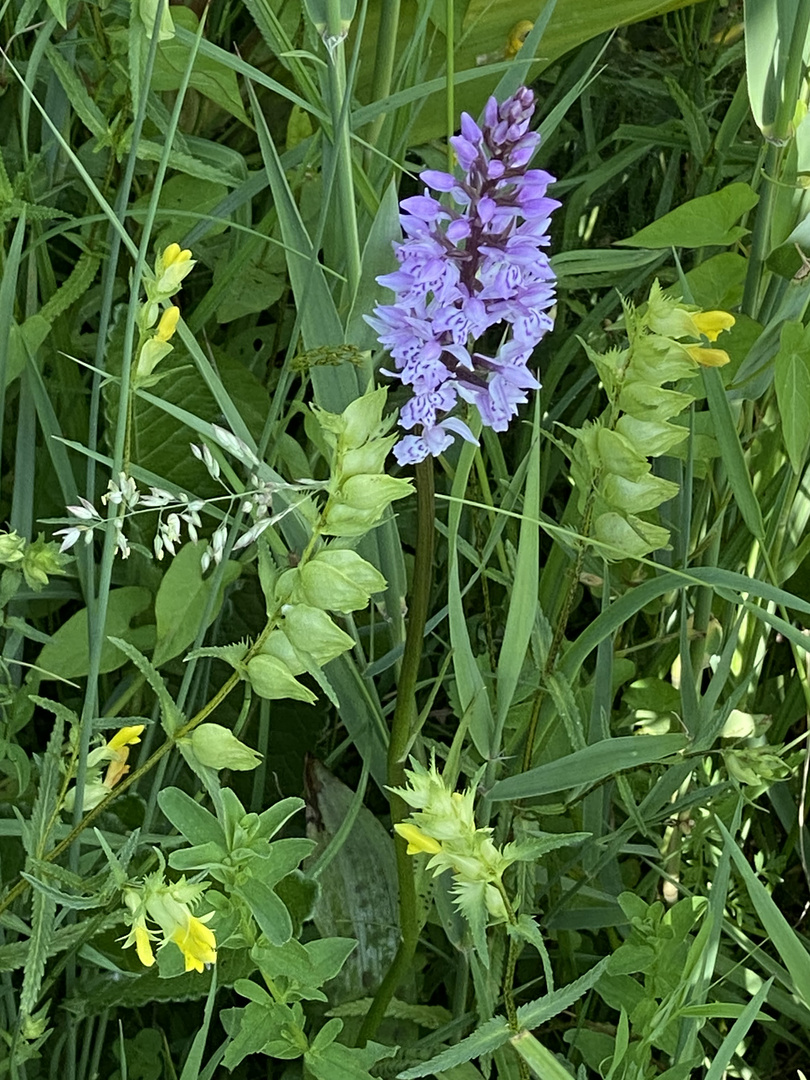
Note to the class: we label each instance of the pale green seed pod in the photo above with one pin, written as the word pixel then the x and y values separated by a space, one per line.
pixel 271 678
pixel 636 496
pixel 311 631
pixel 631 536
pixel 618 454
pixel 362 418
pixel 755 766
pixel 218 748
pixel 279 645
pixel 147 9
pixel 287 587
pixel 652 402
pixel 651 438
pixel 339 580
pixel 369 458
pixel 368 492
pixel 344 520
pixel 42 559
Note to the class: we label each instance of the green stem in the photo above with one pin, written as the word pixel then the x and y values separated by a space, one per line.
pixel 515 949
pixel 342 142
pixel 403 725
pixel 383 65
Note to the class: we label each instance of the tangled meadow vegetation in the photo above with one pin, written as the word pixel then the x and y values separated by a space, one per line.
pixel 404 567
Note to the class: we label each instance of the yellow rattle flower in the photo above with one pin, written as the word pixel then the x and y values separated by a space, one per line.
pixel 418 841
pixel 168 323
pixel 171 266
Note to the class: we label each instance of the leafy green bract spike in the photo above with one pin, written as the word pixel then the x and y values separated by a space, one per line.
pixel 610 463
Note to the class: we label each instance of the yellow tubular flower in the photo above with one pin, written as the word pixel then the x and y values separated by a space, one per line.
pixel 196 942
pixel 168 324
pixel 127 736
pixel 418 842
pixel 171 254
pixel 117 752
pixel 140 935
pixel 708 357
pixel 712 323
pixel 172 265
pixel 143 946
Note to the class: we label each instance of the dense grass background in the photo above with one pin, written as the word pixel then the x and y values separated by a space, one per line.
pixel 657 705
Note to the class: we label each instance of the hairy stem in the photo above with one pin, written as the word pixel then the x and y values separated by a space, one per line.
pixel 515 947
pixel 403 726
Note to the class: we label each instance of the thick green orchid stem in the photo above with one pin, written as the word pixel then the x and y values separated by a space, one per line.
pixel 403 728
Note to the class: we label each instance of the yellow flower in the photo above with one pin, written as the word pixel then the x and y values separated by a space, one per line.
pixel 708 357
pixel 127 736
pixel 117 752
pixel 169 905
pixel 140 935
pixel 711 324
pixel 674 319
pixel 171 267
pixel 418 841
pixel 168 323
pixel 196 942
pixel 173 254
pixel 143 944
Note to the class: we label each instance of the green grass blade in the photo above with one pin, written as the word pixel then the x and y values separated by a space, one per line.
pixel 8 292
pixel 589 765
pixel 540 1060
pixel 739 1029
pixel 779 932
pixel 725 430
pixel 523 596
pixel 472 690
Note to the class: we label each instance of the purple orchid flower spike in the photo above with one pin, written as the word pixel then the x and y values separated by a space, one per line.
pixel 464 269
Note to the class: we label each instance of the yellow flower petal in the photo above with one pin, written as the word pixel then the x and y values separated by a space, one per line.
pixel 418 841
pixel 713 323
pixel 168 323
pixel 708 357
pixel 127 736
pixel 143 946
pixel 171 254
pixel 197 944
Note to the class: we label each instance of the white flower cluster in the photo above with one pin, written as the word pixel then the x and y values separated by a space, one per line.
pixel 125 493
pixel 176 511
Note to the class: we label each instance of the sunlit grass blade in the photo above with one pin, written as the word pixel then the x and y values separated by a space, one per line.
pixel 781 935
